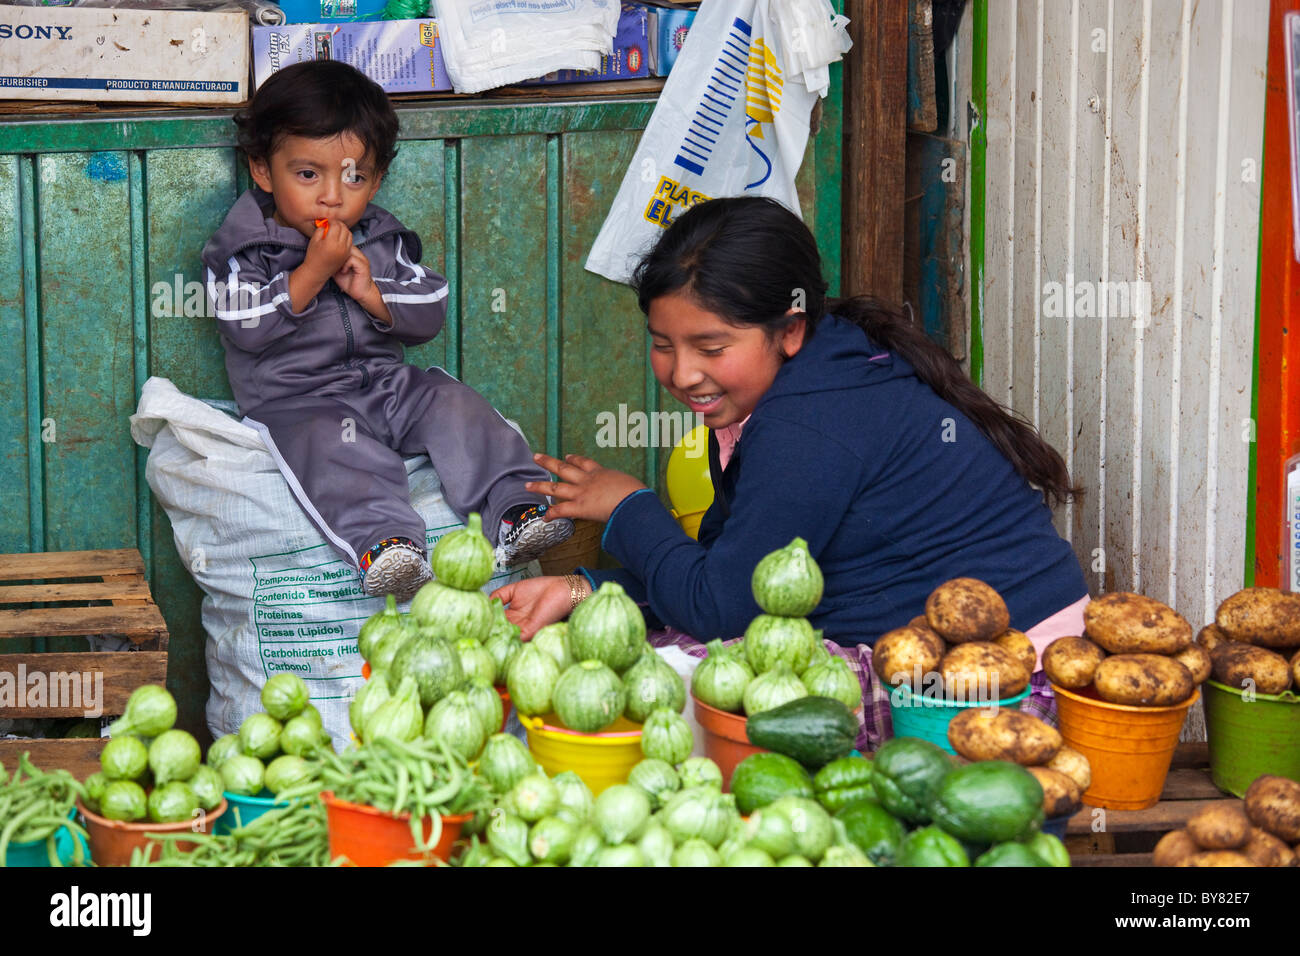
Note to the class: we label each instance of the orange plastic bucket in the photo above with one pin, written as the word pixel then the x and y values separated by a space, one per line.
pixel 725 740
pixel 1129 748
pixel 369 837
pixel 111 841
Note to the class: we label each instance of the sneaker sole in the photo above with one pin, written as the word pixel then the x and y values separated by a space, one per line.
pixel 401 575
pixel 535 541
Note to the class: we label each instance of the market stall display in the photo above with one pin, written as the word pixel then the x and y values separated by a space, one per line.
pixel 1257 831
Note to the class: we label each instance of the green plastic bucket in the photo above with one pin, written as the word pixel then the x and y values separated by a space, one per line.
pixel 35 853
pixel 244 810
pixel 1250 738
pixel 928 717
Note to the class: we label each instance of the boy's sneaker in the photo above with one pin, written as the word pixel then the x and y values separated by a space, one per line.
pixel 525 535
pixel 396 566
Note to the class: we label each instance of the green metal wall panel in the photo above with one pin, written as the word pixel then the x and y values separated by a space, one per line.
pixel 101 224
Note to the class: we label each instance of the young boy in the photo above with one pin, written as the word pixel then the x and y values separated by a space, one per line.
pixel 315 291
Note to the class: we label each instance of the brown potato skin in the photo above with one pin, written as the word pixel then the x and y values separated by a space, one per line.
pixel 1074 765
pixel 985 733
pixel 1235 663
pixel 1126 623
pixel 1266 617
pixel 1211 637
pixel 1174 847
pixel 905 649
pixel 1217 858
pixel 966 609
pixel 1273 804
pixel 1222 826
pixel 1061 795
pixel 1021 647
pixel 1071 662
pixel 1197 660
pixel 968 672
pixel 1295 669
pixel 1264 849
pixel 1143 680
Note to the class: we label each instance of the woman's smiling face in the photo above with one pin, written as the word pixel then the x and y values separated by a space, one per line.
pixel 718 370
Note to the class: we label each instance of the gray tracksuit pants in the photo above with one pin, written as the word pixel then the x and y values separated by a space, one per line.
pixel 342 455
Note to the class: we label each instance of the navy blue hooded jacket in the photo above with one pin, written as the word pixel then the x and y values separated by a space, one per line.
pixel 894 490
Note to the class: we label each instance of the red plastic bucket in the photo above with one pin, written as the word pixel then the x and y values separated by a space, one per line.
pixel 366 836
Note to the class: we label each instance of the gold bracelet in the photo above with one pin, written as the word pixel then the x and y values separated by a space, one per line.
pixel 576 595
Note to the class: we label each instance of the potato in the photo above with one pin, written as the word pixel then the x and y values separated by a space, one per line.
pixel 1264 849
pixel 1021 647
pixel 920 621
pixel 980 670
pixel 965 609
pixel 906 654
pixel 1211 637
pixel 1295 669
pixel 1071 662
pixel 1263 616
pixel 1143 680
pixel 1000 733
pixel 1273 804
pixel 1127 623
pixel 1197 660
pixel 1220 826
pixel 1174 847
pixel 1245 666
pixel 1061 795
pixel 1074 765
pixel 1217 858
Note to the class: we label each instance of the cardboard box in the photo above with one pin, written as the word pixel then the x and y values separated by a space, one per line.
pixel 629 61
pixel 402 56
pixel 123 55
pixel 667 36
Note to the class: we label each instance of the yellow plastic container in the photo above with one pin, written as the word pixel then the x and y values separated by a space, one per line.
pixel 690 521
pixel 601 760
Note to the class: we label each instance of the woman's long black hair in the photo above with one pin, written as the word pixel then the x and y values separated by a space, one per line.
pixel 750 260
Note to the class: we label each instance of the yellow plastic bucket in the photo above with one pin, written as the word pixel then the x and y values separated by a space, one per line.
pixel 690 521
pixel 601 760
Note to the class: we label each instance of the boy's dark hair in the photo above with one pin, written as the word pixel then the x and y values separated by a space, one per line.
pixel 749 260
pixel 319 99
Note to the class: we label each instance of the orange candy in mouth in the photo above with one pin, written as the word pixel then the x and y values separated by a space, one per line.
pixel 323 224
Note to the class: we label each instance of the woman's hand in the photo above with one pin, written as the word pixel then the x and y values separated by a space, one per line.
pixel 585 489
pixel 533 603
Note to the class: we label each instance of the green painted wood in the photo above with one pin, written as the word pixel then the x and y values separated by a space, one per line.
pixel 415 192
pixel 604 343
pixel 186 129
pixel 15 411
pixel 503 285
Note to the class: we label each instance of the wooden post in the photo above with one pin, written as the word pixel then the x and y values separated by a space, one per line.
pixel 874 171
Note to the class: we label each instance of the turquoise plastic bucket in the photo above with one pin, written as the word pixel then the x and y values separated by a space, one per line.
pixel 244 810
pixel 34 853
pixel 929 717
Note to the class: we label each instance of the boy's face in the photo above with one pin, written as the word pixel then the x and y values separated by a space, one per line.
pixel 330 178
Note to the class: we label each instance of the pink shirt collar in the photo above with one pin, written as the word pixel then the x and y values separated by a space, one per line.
pixel 728 438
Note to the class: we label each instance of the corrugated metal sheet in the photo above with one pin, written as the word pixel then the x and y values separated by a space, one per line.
pixel 1124 146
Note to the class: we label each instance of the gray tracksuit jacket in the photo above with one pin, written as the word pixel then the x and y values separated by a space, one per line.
pixel 333 345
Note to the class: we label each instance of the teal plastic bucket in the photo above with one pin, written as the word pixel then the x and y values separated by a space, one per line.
pixel 244 810
pixel 34 852
pixel 1250 738
pixel 929 717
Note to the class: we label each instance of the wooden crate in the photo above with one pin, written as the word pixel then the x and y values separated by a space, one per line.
pixel 76 585
pixel 1130 835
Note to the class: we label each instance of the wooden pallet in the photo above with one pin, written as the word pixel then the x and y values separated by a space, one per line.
pixel 82 593
pixel 1130 835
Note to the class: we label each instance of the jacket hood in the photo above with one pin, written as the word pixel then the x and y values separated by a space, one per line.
pixel 837 356
pixel 250 222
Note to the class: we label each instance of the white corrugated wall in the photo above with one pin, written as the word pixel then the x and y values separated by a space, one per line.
pixel 1124 146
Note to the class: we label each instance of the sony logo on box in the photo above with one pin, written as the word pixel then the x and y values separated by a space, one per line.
pixel 25 31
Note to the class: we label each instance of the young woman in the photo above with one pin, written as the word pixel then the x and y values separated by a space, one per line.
pixel 838 422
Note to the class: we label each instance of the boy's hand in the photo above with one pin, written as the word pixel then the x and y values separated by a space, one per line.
pixel 354 279
pixel 328 249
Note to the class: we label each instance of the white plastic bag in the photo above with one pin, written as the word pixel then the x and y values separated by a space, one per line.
pixel 491 43
pixel 276 596
pixel 732 120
